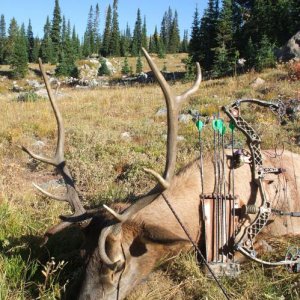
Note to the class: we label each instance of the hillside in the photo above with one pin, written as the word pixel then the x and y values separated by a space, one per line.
pixel 111 134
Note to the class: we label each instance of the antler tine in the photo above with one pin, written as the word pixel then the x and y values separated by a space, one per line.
pixel 180 99
pixel 58 160
pixel 59 153
pixel 58 198
pixel 173 105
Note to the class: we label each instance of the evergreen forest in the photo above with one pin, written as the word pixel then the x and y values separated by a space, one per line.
pixel 230 33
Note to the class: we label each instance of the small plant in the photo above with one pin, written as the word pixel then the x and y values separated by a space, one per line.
pixel 126 70
pixel 28 97
pixel 139 65
pixel 190 69
pixel 104 70
pixel 51 272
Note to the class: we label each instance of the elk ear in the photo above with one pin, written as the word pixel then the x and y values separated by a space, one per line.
pixel 158 235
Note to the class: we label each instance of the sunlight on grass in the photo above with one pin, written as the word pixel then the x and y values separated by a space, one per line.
pixel 108 167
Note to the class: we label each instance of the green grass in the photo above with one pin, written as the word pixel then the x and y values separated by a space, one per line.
pixel 107 168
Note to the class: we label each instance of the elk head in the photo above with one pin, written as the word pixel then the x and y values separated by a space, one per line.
pixel 123 250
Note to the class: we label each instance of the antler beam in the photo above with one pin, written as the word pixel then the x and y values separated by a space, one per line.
pixel 58 161
pixel 173 104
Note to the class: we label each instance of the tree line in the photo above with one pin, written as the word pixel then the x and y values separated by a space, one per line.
pixel 62 46
pixel 231 34
pixel 241 33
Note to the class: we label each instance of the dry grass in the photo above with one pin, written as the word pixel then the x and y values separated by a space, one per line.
pixel 98 155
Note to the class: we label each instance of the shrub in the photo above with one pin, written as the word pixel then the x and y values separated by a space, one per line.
pixel 27 97
pixel 294 70
pixel 104 70
pixel 126 70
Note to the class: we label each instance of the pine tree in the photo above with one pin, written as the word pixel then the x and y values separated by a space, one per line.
pixel 67 57
pixel 151 48
pixel 97 39
pixel 70 51
pixel 36 49
pixel 137 35
pixel 144 35
pixel 265 57
pixel 75 43
pixel 88 40
pixel 19 58
pixel 224 60
pixel 30 42
pixel 208 35
pixel 46 49
pixel 250 54
pixel 63 32
pixel 13 33
pixel 125 42
pixel 2 39
pixel 126 70
pixel 56 30
pixel 158 46
pixel 154 42
pixel 139 65
pixel 107 33
pixel 103 70
pixel 295 13
pixel 185 42
pixel 164 31
pixel 114 46
pixel 174 41
pixel 194 44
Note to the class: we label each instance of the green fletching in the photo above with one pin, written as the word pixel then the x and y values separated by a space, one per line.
pixel 218 125
pixel 231 125
pixel 223 131
pixel 199 125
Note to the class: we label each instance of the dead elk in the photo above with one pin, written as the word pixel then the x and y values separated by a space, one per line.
pixel 127 241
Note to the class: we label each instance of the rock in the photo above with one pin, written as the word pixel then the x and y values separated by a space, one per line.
pixel 291 50
pixel 54 83
pixel 257 82
pixel 180 138
pixel 35 84
pixel 81 87
pixel 184 118
pixel 161 112
pixel 241 62
pixel 109 66
pixel 16 88
pixel 126 135
pixel 52 184
pixel 39 144
pixel 89 69
pixel 3 78
pixel 42 93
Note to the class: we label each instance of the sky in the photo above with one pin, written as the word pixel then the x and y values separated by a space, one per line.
pixel 77 11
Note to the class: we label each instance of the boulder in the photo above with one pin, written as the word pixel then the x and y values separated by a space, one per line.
pixel 185 118
pixel 161 112
pixel 35 84
pixel 89 69
pixel 291 50
pixel 257 82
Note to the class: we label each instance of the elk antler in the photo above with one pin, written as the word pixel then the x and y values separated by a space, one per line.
pixel 173 104
pixel 58 161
